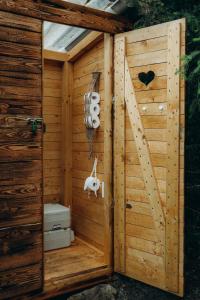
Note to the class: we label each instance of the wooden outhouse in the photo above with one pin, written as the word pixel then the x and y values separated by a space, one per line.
pixel 135 225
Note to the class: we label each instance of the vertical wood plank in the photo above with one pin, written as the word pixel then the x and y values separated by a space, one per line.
pixel 181 177
pixel 108 93
pixel 119 156
pixel 144 158
pixel 172 190
pixel 67 88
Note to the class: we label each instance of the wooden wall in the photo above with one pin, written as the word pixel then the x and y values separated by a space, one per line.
pixel 52 146
pixel 88 212
pixel 20 155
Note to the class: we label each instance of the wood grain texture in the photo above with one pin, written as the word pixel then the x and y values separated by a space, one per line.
pixel 144 157
pixel 119 151
pixel 108 134
pixel 89 225
pixel 79 258
pixel 52 146
pixel 148 49
pixel 66 124
pixel 67 13
pixel 173 129
pixel 24 243
pixel 19 281
pixel 20 156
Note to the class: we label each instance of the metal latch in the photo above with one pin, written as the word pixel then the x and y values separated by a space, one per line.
pixel 36 123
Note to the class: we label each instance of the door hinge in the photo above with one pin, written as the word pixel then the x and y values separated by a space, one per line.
pixel 113 99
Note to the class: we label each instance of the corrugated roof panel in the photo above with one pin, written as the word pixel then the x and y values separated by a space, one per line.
pixel 58 37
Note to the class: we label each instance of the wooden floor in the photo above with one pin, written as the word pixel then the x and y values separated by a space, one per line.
pixel 77 259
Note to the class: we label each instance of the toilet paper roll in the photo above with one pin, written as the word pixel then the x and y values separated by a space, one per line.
pixel 88 121
pixel 92 184
pixel 94 109
pixel 94 97
pixel 95 121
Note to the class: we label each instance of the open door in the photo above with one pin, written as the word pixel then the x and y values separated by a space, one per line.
pixel 149 155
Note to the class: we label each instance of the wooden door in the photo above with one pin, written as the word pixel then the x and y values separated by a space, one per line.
pixel 20 156
pixel 149 155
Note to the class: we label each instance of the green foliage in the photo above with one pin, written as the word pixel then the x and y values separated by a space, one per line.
pixel 151 12
pixel 190 71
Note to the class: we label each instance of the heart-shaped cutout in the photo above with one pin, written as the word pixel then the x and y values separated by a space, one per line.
pixel 146 78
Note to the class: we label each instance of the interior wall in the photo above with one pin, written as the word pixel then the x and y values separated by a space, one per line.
pixel 87 212
pixel 52 102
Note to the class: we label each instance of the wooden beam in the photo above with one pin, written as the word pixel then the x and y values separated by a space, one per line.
pixel 173 145
pixel 119 157
pixel 54 55
pixel 67 88
pixel 142 147
pixel 62 12
pixel 108 94
pixel 84 45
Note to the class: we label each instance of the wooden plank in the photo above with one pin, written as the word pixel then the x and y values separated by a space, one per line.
pixel 16 282
pixel 21 50
pixel 108 94
pixel 68 14
pixel 89 230
pixel 55 55
pixel 147 58
pixel 20 156
pixel 17 206
pixel 16 21
pixel 64 263
pixel 84 45
pixel 67 94
pixel 20 246
pixel 70 284
pixel 144 157
pixel 23 65
pixel 143 245
pixel 83 207
pixel 146 267
pixel 146 46
pixel 139 219
pixel 172 205
pixel 182 183
pixel 19 36
pixel 119 151
pixel 151 32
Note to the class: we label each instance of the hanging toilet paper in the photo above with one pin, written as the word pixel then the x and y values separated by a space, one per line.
pixel 95 121
pixel 94 109
pixel 94 97
pixel 92 184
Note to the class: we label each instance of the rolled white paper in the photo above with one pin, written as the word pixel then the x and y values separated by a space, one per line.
pixel 94 97
pixel 92 184
pixel 95 121
pixel 94 109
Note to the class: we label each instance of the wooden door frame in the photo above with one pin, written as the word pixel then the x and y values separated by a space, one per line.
pixel 62 12
pixel 68 59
